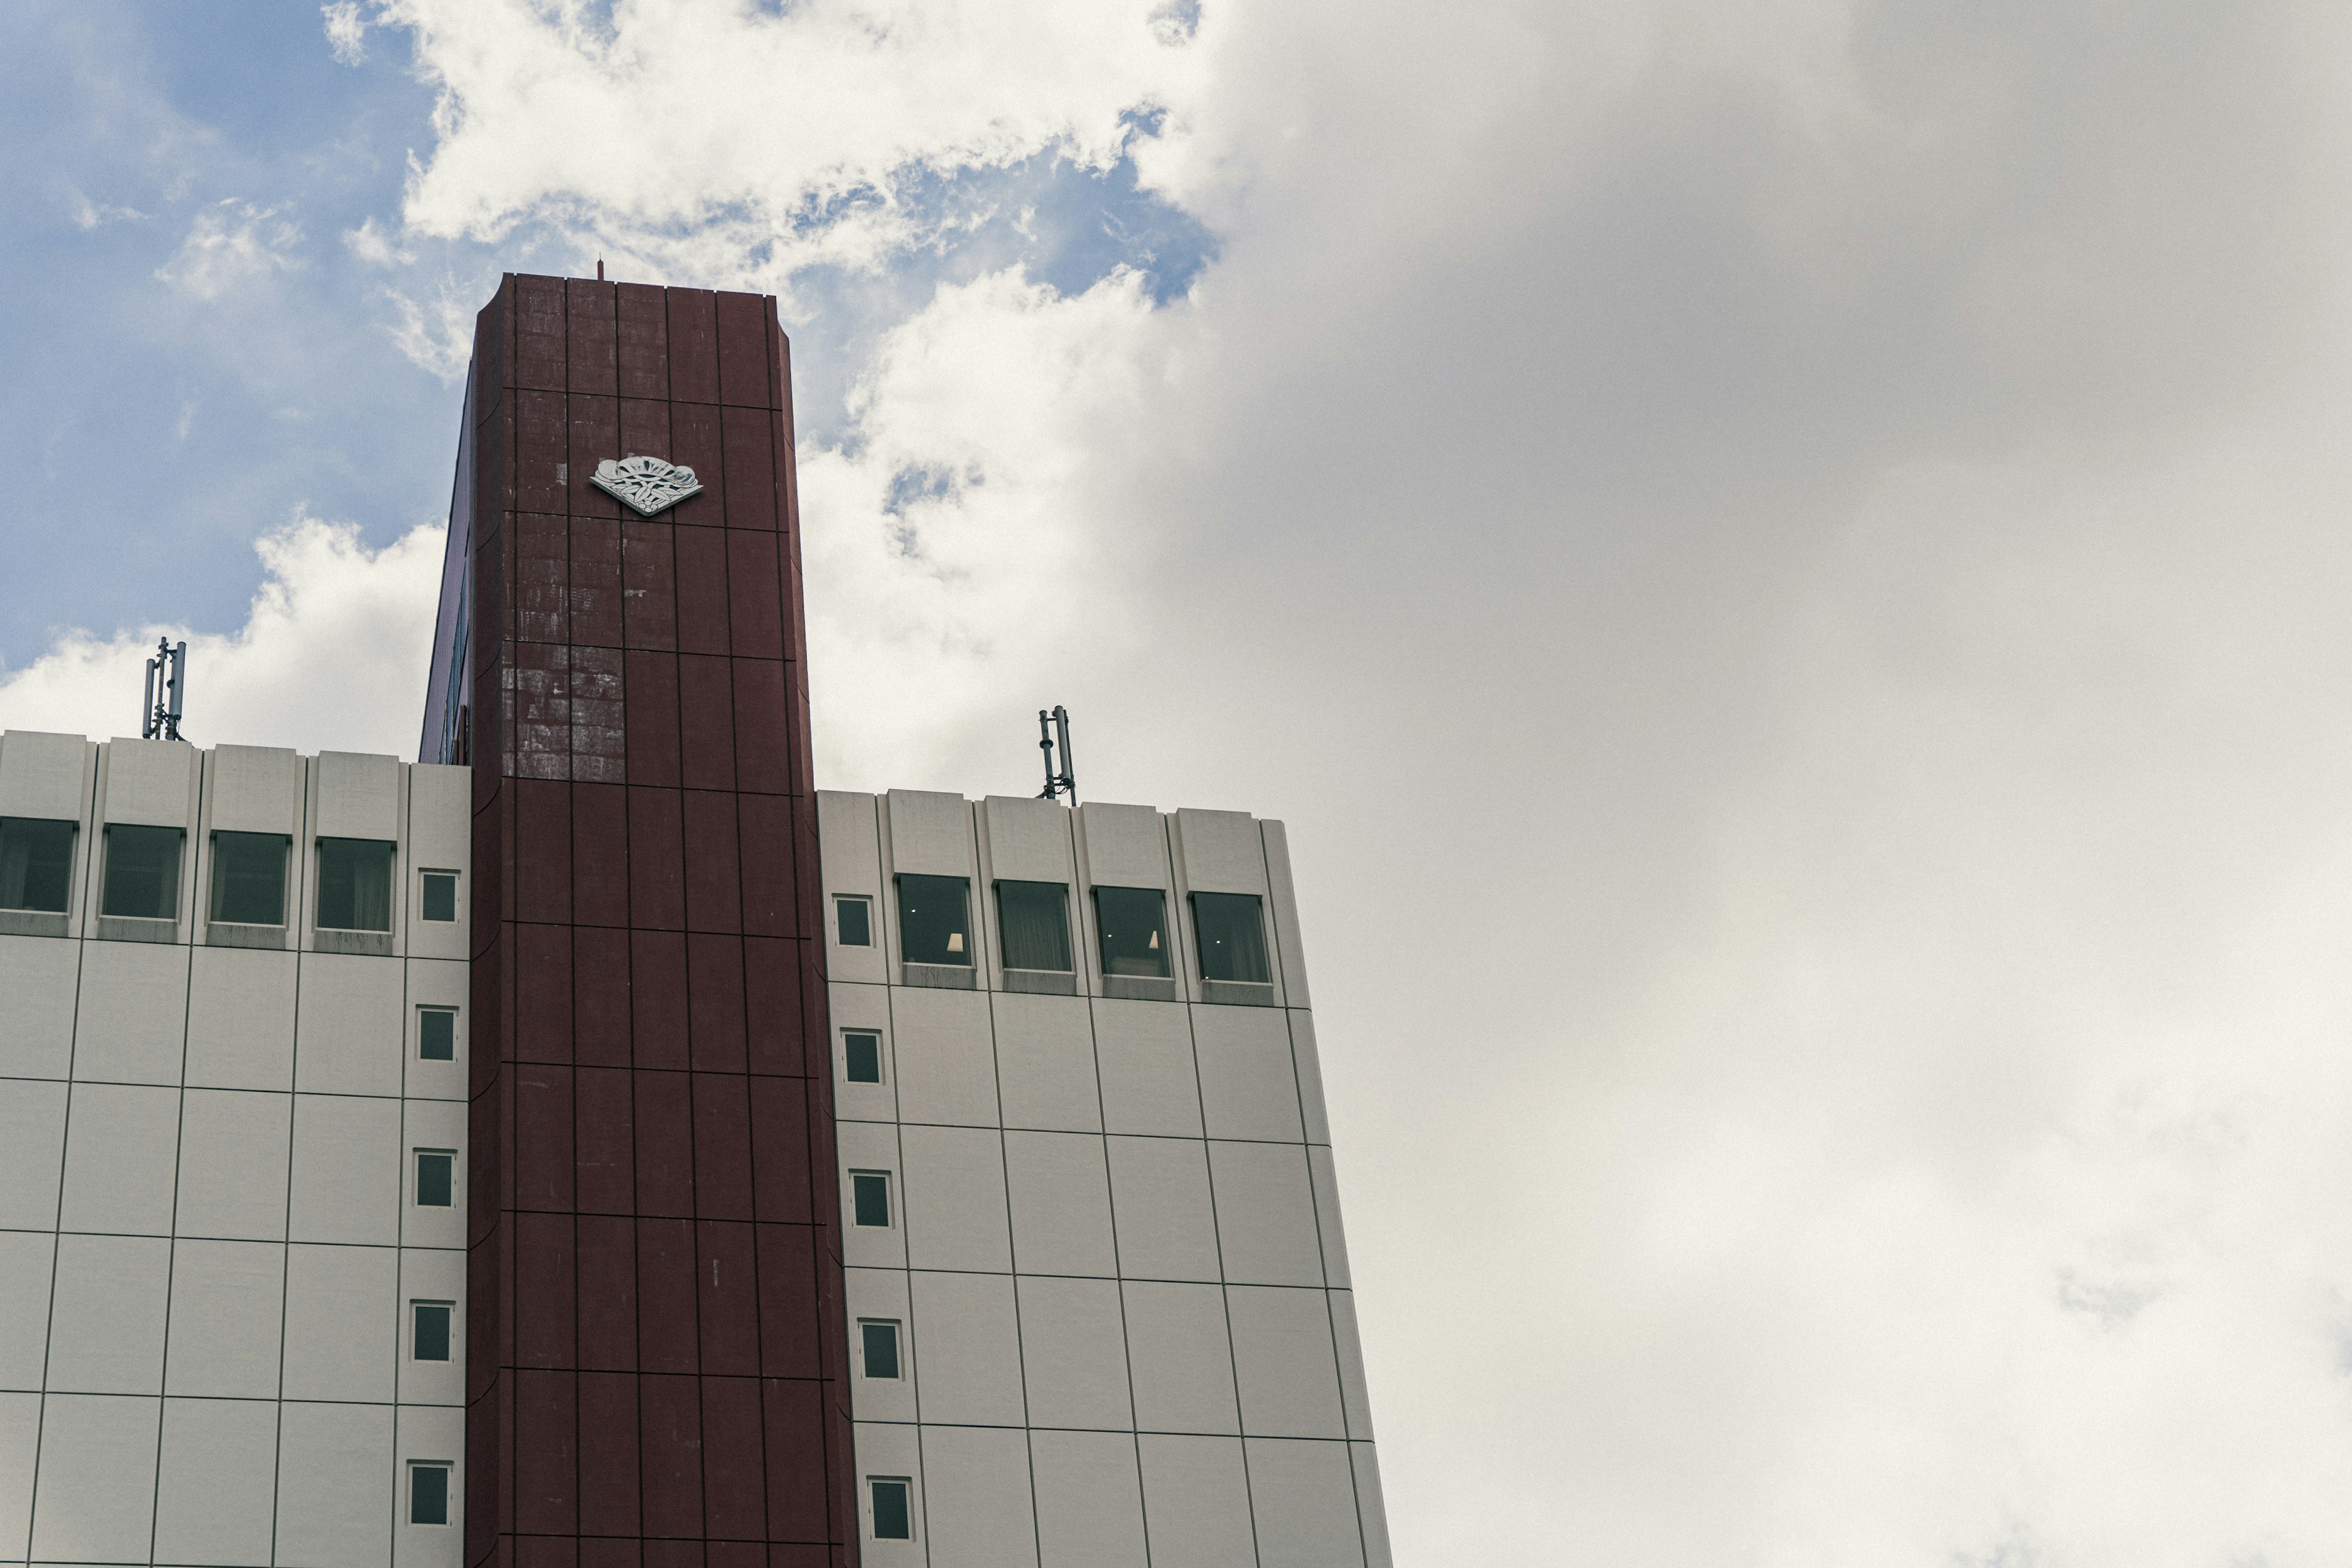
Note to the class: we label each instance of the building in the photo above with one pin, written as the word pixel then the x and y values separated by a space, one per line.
pixel 808 1178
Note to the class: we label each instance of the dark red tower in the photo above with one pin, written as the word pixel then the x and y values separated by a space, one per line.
pixel 656 1368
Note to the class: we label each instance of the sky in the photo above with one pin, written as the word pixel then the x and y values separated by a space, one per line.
pixel 1783 561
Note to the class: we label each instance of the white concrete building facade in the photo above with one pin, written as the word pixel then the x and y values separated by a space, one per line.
pixel 233 1087
pixel 1098 1298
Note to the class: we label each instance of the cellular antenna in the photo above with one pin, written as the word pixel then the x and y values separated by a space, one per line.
pixel 167 692
pixel 1051 727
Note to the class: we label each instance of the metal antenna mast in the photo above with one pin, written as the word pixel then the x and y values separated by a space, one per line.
pixel 161 707
pixel 1050 727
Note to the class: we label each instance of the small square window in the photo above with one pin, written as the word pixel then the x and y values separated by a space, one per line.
pixel 1134 926
pixel 1232 931
pixel 354 884
pixel 436 1035
pixel 893 1519
pixel 437 1183
pixel 35 864
pixel 878 1345
pixel 429 1494
pixel 429 1339
pixel 864 1051
pixel 142 873
pixel 440 900
pixel 249 878
pixel 855 918
pixel 869 1198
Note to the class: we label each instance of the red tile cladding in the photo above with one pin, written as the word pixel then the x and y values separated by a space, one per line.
pixel 705 712
pixel 669 1427
pixel 751 468
pixel 723 1146
pixel 743 351
pixel 589 338
pixel 727 1283
pixel 701 590
pixel 715 1002
pixel 643 343
pixel 734 1474
pixel 654 1262
pixel 714 895
pixel 600 997
pixel 771 1005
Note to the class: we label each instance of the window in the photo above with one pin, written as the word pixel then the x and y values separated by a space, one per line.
pixel 893 1519
pixel 429 1494
pixel 1232 931
pixel 864 1051
pixel 354 885
pixel 878 1341
pixel 436 1173
pixel 142 872
pixel 429 1338
pixel 440 900
pixel 934 919
pixel 249 878
pixel 1035 921
pixel 1134 924
pixel 855 918
pixel 35 864
pixel 869 1197
pixel 436 1035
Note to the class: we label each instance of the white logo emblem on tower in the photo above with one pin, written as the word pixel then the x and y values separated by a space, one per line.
pixel 647 484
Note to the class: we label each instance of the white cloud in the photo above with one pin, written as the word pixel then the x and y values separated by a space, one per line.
pixel 436 334
pixel 229 245
pixel 89 215
pixel 756 142
pixel 346 31
pixel 333 654
pixel 372 245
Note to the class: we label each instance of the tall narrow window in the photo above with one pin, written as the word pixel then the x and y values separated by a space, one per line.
pixel 855 918
pixel 869 1198
pixel 935 920
pixel 877 1344
pixel 249 878
pixel 1035 921
pixel 893 1519
pixel 35 864
pixel 429 1336
pixel 142 872
pixel 354 885
pixel 436 1035
pixel 439 899
pixel 1134 925
pixel 862 1051
pixel 429 1494
pixel 1232 931
pixel 435 1178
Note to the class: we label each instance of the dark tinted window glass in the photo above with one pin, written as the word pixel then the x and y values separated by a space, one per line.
pixel 249 878
pixel 881 1348
pixel 856 927
pixel 432 1332
pixel 440 896
pixel 433 1180
pixel 934 919
pixel 142 873
pixel 436 1036
pixel 890 1517
pixel 429 1494
pixel 35 864
pixel 1134 923
pixel 354 885
pixel 869 1194
pixel 1232 929
pixel 1035 919
pixel 865 1054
